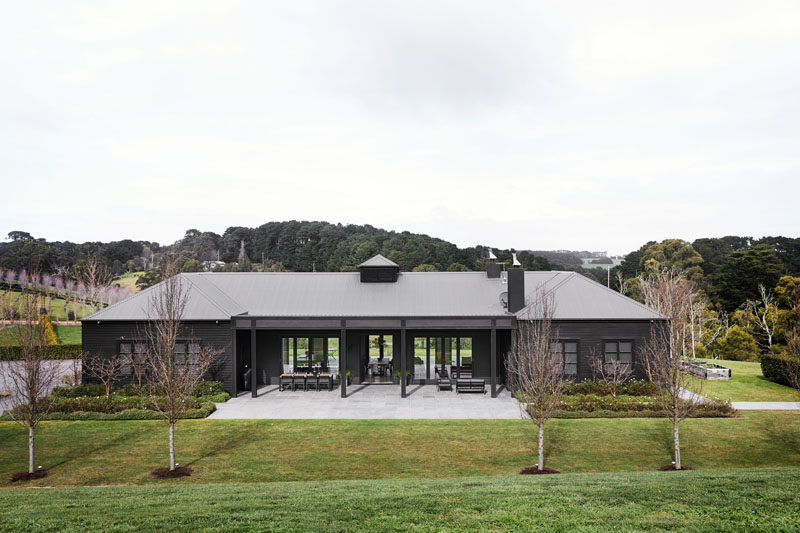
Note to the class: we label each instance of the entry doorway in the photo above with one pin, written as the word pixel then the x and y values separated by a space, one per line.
pixel 432 354
pixel 378 360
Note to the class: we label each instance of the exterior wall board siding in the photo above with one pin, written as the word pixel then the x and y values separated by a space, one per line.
pixel 103 339
pixel 591 334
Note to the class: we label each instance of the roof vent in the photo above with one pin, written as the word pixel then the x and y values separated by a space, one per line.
pixel 378 269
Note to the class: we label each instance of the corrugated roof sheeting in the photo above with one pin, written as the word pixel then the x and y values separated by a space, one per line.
pixel 218 296
pixel 578 297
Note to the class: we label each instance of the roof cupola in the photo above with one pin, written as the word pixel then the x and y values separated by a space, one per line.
pixel 379 270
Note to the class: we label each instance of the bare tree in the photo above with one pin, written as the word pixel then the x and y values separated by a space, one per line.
pixel 670 293
pixel 96 278
pixel 137 358
pixel 175 364
pixel 106 369
pixel 30 379
pixel 535 371
pixel 613 373
pixel 765 313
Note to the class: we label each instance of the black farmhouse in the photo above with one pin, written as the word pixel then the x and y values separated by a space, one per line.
pixel 379 324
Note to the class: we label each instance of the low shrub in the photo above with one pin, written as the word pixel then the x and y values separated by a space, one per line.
pixel 778 367
pixel 203 411
pixel 710 409
pixel 54 351
pixel 207 388
pixel 634 387
pixel 221 397
pixel 594 402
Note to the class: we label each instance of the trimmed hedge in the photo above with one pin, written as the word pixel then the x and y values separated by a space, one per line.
pixel 778 367
pixel 203 389
pixel 594 406
pixel 55 351
pixel 601 388
pixel 126 414
pixel 707 410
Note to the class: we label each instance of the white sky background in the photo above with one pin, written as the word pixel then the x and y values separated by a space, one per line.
pixel 577 125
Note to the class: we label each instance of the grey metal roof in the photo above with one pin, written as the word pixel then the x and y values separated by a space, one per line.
pixel 577 297
pixel 221 295
pixel 378 261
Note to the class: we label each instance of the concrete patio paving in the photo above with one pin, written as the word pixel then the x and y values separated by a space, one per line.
pixel 370 402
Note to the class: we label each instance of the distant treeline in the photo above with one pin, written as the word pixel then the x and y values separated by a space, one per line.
pixel 294 246
pixel 729 269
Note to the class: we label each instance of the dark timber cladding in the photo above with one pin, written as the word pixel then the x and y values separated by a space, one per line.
pixel 259 320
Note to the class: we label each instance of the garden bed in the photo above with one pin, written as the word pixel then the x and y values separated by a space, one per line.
pixel 709 371
pixel 593 399
pixel 89 402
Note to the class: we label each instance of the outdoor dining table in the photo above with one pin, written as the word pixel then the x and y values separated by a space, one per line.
pixel 378 366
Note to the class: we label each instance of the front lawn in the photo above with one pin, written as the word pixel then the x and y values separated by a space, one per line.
pixel 711 500
pixel 124 452
pixel 747 384
pixel 69 334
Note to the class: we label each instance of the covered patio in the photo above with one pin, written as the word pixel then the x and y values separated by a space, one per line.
pixel 368 402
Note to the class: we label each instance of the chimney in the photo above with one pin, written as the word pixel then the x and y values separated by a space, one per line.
pixel 492 269
pixel 516 289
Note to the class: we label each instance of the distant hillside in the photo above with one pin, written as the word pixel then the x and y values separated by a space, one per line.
pixel 292 245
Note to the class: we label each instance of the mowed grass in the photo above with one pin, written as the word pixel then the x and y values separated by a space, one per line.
pixel 711 500
pixel 747 384
pixel 69 334
pixel 58 306
pixel 220 451
pixel 65 334
pixel 128 280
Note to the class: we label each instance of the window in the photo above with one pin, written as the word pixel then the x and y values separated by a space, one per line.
pixel 566 352
pixel 621 351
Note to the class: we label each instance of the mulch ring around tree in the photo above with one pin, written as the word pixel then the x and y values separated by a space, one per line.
pixel 671 468
pixel 535 470
pixel 166 473
pixel 26 476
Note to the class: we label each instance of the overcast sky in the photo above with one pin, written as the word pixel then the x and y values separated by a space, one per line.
pixel 577 125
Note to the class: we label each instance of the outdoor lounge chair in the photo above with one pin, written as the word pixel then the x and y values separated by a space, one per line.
pixel 471 385
pixel 444 384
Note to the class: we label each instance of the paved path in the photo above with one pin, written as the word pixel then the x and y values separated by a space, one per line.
pixel 64 368
pixel 747 406
pixel 370 401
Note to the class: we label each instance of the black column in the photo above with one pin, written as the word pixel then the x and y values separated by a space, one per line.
pixel 427 358
pixel 458 355
pixel 343 360
pixel 403 362
pixel 493 343
pixel 253 358
pixel 235 366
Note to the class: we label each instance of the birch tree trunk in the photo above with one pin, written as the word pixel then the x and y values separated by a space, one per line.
pixel 172 446
pixel 676 436
pixel 541 447
pixel 31 452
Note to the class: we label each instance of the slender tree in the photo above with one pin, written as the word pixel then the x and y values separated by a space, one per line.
pixel 106 369
pixel 30 379
pixel 613 373
pixel 174 373
pixel 536 371
pixel 670 293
